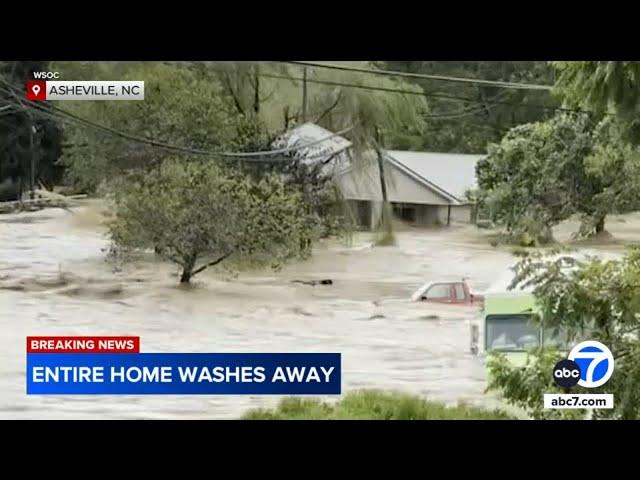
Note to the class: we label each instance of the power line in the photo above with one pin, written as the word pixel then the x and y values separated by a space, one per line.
pixel 428 95
pixel 462 112
pixel 394 73
pixel 413 92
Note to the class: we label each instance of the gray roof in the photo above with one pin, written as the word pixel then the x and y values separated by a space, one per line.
pixel 449 174
pixel 452 174
pixel 333 146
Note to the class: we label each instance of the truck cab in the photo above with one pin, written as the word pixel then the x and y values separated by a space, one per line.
pixel 457 292
pixel 510 326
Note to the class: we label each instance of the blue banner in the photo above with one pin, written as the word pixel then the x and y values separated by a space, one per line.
pixel 183 373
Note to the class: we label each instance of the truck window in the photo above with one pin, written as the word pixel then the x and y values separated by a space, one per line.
pixel 439 291
pixel 511 332
pixel 459 291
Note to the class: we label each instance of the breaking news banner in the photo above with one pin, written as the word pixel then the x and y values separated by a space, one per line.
pixel 42 90
pixel 115 366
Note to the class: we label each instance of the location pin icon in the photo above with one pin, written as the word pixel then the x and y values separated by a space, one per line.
pixel 36 90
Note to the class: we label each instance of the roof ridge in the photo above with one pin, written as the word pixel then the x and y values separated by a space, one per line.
pixel 439 153
pixel 419 177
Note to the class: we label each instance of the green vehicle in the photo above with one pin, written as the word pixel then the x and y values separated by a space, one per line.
pixel 509 326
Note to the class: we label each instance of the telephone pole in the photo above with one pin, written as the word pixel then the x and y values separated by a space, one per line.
pixel 386 215
pixel 383 184
pixel 32 154
pixel 304 94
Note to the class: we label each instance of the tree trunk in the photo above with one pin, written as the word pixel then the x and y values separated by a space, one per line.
pixel 186 276
pixel 600 225
pixel 187 269
pixel 256 92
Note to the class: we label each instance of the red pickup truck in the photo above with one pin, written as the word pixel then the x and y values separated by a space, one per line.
pixel 447 292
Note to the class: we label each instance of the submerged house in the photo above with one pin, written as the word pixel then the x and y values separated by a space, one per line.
pixel 424 188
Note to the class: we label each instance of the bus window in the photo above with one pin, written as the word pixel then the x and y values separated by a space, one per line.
pixel 515 332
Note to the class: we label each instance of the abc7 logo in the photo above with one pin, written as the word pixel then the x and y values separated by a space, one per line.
pixel 589 364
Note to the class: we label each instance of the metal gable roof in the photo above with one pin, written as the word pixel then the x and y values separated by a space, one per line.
pixel 308 133
pixel 450 174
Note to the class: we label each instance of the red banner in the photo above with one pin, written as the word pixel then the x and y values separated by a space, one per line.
pixel 83 344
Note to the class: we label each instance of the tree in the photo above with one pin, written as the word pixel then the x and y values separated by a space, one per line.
pixel 468 126
pixel 599 85
pixel 180 108
pixel 532 179
pixel 192 211
pixel 604 87
pixel 28 141
pixel 335 99
pixel 542 173
pixel 593 299
pixel 611 177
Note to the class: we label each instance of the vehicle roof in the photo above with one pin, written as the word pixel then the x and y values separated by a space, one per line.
pixel 500 304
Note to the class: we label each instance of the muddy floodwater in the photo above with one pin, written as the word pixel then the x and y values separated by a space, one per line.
pixel 54 281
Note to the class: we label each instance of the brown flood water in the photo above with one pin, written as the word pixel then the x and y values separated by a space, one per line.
pixel 54 281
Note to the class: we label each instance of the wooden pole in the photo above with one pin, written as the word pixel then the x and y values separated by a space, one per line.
pixel 33 162
pixel 304 94
pixel 383 184
pixel 386 206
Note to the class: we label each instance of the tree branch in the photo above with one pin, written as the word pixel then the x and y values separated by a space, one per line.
pixel 326 112
pixel 210 264
pixel 232 92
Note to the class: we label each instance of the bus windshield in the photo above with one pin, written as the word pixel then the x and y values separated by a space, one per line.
pixel 511 332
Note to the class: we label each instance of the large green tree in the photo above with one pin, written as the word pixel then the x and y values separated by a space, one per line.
pixel 529 180
pixel 544 172
pixel 198 214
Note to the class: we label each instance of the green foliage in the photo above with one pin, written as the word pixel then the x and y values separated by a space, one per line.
pixel 372 405
pixel 181 107
pixel 542 173
pixel 529 180
pixel 590 299
pixel 599 85
pixel 469 126
pixel 604 87
pixel 250 87
pixel 613 172
pixel 524 387
pixel 375 115
pixel 191 211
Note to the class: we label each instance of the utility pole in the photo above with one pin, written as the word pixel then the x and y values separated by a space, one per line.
pixel 33 159
pixel 383 184
pixel 304 94
pixel 386 206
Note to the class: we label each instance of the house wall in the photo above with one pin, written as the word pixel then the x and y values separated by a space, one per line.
pixel 367 214
pixel 362 182
pixel 412 202
pixel 364 213
pixel 459 214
